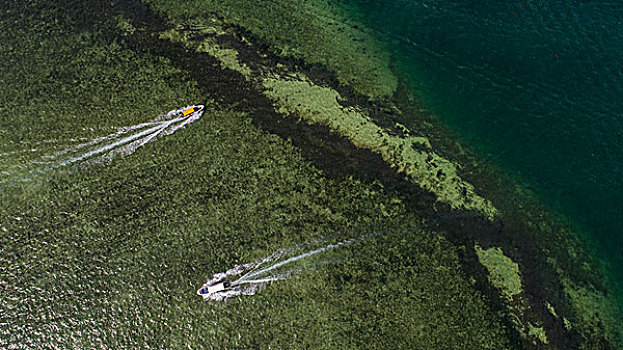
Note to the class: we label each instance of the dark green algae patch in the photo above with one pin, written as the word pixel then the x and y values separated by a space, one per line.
pixel 115 253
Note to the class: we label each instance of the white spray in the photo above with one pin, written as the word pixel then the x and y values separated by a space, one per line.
pixel 256 276
pixel 117 143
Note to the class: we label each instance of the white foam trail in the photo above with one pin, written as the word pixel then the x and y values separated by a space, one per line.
pixel 245 287
pixel 141 138
pixel 168 128
pixel 116 143
pixel 293 259
pixel 100 150
pixel 120 132
pixel 256 277
pixel 141 141
pixel 260 281
pixel 107 147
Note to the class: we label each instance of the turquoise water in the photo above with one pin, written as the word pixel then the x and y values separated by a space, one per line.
pixel 535 86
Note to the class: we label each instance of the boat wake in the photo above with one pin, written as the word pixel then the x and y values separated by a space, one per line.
pixel 249 278
pixel 124 141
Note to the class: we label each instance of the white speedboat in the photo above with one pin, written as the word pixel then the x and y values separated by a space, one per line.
pixel 214 288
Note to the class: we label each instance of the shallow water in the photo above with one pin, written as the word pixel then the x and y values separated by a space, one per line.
pixel 535 86
pixel 111 255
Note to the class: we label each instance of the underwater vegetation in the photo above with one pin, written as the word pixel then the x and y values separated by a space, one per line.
pixel 289 150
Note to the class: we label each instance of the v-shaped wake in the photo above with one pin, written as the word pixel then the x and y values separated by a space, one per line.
pixel 277 266
pixel 124 141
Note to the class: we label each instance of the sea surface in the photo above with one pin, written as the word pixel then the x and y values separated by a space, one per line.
pixel 535 86
pixel 103 244
pixel 110 254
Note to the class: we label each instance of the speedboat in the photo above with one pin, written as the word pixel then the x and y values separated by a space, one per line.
pixel 214 288
pixel 188 111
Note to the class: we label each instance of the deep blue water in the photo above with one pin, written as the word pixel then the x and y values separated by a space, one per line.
pixel 535 86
